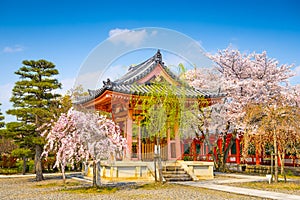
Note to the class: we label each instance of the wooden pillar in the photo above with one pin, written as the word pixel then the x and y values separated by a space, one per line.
pixel 139 141
pixel 129 135
pixel 238 153
pixel 279 163
pixel 169 143
pixel 220 141
pixel 215 154
pixel 257 160
pixel 193 150
pixel 206 152
pixel 177 142
pixel 206 149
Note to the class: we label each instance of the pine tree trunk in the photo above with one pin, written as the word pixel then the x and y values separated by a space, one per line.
pixel 38 163
pixel 24 165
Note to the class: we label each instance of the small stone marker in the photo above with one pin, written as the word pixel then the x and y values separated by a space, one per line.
pixel 269 177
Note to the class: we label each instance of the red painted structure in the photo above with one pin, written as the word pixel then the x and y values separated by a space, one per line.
pixel 121 98
pixel 199 151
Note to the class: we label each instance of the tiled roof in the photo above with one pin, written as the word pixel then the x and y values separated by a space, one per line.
pixel 127 83
pixel 144 90
pixel 140 71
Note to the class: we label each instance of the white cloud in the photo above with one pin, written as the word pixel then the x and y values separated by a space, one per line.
pixel 13 49
pixel 117 31
pixel 128 37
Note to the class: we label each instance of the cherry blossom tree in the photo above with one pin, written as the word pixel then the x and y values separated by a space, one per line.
pixel 204 78
pixel 247 79
pixel 79 136
pixel 64 139
pixel 277 125
pixel 252 79
pixel 102 138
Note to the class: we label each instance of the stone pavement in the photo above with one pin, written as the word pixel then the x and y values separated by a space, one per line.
pixel 216 185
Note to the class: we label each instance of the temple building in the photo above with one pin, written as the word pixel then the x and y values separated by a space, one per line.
pixel 116 97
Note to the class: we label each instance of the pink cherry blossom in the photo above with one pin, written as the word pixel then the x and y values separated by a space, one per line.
pixel 77 136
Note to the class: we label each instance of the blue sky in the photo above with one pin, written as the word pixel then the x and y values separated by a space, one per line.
pixel 65 32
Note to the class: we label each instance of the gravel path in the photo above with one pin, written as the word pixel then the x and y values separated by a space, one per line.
pixel 52 188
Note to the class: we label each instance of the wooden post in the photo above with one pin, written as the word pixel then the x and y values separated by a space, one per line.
pixel 139 141
pixel 220 144
pixel 257 161
pixel 177 142
pixel 238 153
pixel 169 143
pixel 129 135
pixel 193 150
pixel 206 151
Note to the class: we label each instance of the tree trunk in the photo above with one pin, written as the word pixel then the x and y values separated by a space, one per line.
pixel 159 159
pixel 94 173
pixel 98 180
pixel 86 168
pixel 63 173
pixel 281 158
pixel 275 158
pixel 155 167
pixel 226 151
pixel 38 163
pixel 24 165
pixel 222 154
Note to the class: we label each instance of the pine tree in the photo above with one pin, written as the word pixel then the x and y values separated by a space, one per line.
pixel 33 98
pixel 22 134
pixel 6 145
pixel 1 119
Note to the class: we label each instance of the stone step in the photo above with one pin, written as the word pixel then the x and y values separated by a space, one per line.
pixel 178 179
pixel 176 175
pixel 172 168
pixel 174 172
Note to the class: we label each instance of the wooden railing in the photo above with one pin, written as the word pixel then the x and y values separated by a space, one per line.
pixel 250 160
pixel 197 157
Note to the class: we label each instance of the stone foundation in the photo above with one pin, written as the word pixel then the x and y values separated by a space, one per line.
pixel 138 170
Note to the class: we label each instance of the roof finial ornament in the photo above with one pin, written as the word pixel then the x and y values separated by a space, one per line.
pixel 158 57
pixel 107 83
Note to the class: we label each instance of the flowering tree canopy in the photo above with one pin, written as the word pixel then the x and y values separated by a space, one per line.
pixel 204 78
pixel 78 135
pixel 252 78
pixel 257 90
pixel 64 139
